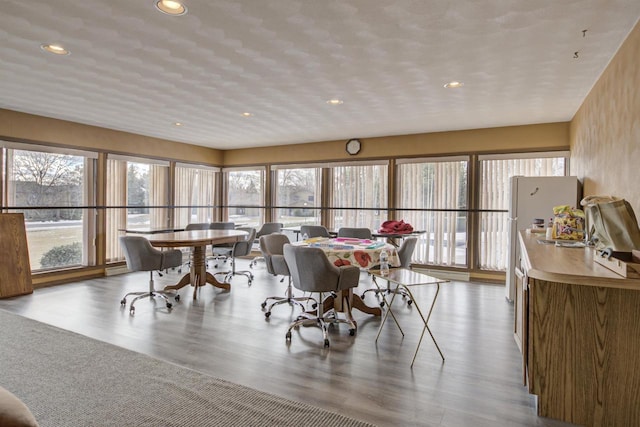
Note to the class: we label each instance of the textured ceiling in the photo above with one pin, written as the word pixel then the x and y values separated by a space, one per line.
pixel 132 68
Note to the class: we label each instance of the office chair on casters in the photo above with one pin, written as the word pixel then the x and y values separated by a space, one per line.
pixel 314 231
pixel 271 246
pixel 267 228
pixel 241 248
pixel 221 251
pixel 404 253
pixel 356 233
pixel 141 256
pixel 311 271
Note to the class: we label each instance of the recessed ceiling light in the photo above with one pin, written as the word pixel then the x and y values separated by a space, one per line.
pixel 54 48
pixel 177 124
pixel 334 102
pixel 247 114
pixel 453 84
pixel 171 7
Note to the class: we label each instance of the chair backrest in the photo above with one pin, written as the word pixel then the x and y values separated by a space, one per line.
pixel 139 254
pixel 222 226
pixel 406 251
pixel 311 270
pixel 272 246
pixel 197 226
pixel 356 233
pixel 268 228
pixel 243 247
pixel 314 231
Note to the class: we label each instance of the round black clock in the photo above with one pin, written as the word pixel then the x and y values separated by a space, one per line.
pixel 353 146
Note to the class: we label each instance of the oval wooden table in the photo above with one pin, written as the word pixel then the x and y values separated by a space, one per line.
pixel 197 240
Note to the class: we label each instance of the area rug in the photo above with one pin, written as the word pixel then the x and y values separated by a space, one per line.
pixel 70 380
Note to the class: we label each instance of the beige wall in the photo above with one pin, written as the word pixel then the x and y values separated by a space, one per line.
pixel 605 132
pixel 27 127
pixel 548 136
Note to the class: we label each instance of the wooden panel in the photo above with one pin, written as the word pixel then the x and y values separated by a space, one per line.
pixel 15 270
pixel 585 353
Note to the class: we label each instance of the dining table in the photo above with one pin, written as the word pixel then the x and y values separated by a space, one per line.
pixel 363 253
pixel 197 240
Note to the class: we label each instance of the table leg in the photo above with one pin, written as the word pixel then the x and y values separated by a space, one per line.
pixel 388 305
pixel 198 275
pixel 426 322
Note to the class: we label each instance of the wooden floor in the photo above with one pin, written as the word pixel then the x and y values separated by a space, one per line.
pixel 225 334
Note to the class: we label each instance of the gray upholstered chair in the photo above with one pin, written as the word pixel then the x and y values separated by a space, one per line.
pixel 405 252
pixel 141 256
pixel 272 246
pixel 314 231
pixel 267 228
pixel 222 251
pixel 311 271
pixel 241 248
pixel 356 233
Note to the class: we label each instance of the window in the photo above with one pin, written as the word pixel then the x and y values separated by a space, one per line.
pixel 430 194
pixel 194 194
pixel 359 196
pixel 50 187
pixel 297 194
pixel 494 195
pixel 137 196
pixel 245 195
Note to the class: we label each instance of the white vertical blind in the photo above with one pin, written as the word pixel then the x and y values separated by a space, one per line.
pixel 116 195
pixel 435 184
pixel 360 187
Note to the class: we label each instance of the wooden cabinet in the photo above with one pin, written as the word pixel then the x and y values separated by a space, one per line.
pixel 581 338
pixel 15 269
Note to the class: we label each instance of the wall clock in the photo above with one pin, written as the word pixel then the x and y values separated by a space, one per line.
pixel 353 146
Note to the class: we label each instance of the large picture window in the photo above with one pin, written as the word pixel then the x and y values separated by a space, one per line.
pixel 194 194
pixel 297 195
pixel 245 195
pixel 51 188
pixel 137 198
pixel 359 195
pixel 431 194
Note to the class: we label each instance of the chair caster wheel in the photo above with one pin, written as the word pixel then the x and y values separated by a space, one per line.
pixel 132 311
pixel 409 302
pixel 382 304
pixel 362 296
pixel 326 343
pixel 263 305
pixel 123 301
pixel 314 305
pixel 352 332
pixel 288 336
pixel 177 297
pixel 267 314
pixel 169 305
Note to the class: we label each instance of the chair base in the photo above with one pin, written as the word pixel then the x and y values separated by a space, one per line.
pixel 403 293
pixel 287 300
pixel 255 260
pixel 228 275
pixel 151 293
pixel 323 320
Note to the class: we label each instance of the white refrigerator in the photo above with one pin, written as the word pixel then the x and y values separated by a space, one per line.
pixel 530 198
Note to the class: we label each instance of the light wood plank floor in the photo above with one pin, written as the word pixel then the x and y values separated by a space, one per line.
pixel 226 335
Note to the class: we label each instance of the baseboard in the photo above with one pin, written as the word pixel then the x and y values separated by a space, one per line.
pixel 114 271
pixel 460 276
